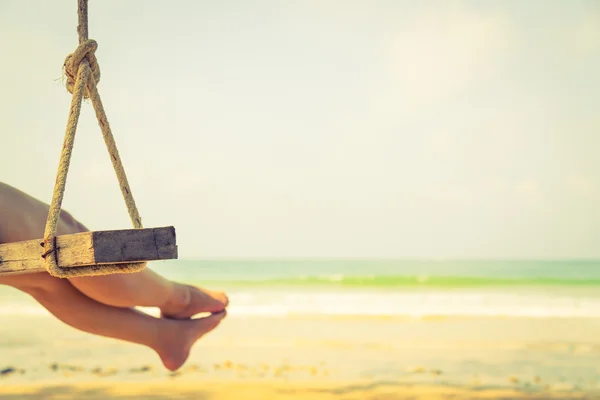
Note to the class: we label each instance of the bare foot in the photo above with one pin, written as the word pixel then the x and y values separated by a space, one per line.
pixel 188 301
pixel 178 337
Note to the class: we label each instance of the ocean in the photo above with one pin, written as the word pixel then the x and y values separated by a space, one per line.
pixel 413 288
pixel 417 288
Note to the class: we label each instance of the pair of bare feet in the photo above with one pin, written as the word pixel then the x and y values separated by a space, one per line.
pixel 105 305
pixel 180 330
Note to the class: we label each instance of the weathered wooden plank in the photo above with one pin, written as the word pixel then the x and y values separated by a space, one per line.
pixel 91 248
pixel 134 244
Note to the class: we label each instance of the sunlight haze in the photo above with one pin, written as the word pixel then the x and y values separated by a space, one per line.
pixel 387 129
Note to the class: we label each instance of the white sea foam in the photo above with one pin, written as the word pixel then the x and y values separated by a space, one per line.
pixel 412 304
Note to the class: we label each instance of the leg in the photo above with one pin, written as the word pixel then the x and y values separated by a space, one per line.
pixel 22 217
pixel 148 289
pixel 171 339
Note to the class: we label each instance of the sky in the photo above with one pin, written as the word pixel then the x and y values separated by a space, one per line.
pixel 320 129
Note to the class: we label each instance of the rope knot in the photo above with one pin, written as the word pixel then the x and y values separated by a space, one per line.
pixel 85 51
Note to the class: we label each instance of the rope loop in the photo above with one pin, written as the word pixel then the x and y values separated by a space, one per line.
pixel 83 73
pixel 85 51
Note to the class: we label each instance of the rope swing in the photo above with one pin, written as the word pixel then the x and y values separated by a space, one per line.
pixel 82 74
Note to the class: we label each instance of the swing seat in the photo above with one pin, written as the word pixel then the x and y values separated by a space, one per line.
pixel 88 253
pixel 91 249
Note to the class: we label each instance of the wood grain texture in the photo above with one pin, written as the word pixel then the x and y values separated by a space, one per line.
pixel 91 248
pixel 134 245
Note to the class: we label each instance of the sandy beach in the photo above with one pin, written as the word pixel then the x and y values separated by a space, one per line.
pixel 387 338
pixel 315 358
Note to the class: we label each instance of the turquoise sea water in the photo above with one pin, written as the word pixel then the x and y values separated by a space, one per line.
pixel 409 288
pixel 414 288
pixel 386 273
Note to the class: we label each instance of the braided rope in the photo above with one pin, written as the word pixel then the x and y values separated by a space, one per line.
pixel 83 73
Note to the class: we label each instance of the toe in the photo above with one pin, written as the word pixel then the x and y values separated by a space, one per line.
pixel 200 301
pixel 207 324
pixel 222 298
pixel 209 300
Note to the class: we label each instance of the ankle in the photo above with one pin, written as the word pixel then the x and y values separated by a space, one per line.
pixel 178 300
